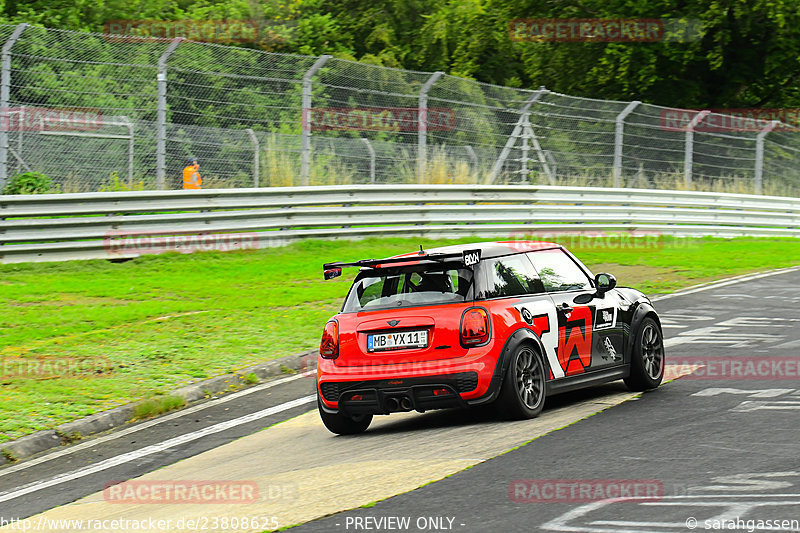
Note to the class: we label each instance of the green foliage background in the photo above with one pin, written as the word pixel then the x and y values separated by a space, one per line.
pixel 747 55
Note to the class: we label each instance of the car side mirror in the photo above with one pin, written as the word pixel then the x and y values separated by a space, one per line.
pixel 604 283
pixel 331 273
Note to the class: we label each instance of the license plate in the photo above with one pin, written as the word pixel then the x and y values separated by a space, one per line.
pixel 396 341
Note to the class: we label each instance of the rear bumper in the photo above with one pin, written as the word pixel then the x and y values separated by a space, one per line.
pixel 386 396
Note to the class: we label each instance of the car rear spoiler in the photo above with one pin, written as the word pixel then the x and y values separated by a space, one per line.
pixel 468 258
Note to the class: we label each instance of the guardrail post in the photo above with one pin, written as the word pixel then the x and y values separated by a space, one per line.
pixel 5 96
pixel 306 119
pixel 758 182
pixel 688 148
pixel 619 132
pixel 256 156
pixel 161 119
pixel 512 139
pixel 422 126
pixel 371 151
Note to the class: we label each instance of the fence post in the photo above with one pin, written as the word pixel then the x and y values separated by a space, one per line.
pixel 473 158
pixel 618 138
pixel 528 134
pixel 256 156
pixel 371 151
pixel 306 119
pixel 523 160
pixel 5 96
pixel 688 148
pixel 161 120
pixel 512 139
pixel 422 125
pixel 19 142
pixel 129 125
pixel 553 164
pixel 758 184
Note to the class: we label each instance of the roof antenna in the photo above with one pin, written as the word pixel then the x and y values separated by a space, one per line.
pixel 421 251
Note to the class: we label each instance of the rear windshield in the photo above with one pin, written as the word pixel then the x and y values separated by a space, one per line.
pixel 411 286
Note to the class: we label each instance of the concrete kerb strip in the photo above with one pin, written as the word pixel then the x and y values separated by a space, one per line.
pixel 119 416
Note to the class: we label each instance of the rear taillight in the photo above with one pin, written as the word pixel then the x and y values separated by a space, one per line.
pixel 329 347
pixel 474 327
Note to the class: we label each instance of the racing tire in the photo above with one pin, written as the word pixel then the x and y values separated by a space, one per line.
pixel 647 357
pixel 342 424
pixel 523 392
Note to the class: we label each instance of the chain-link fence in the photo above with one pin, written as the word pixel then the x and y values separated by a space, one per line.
pixel 254 118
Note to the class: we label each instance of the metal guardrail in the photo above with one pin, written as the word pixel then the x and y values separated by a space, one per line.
pixel 104 225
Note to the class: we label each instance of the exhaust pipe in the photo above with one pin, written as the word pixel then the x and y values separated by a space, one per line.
pixel 392 404
pixel 405 403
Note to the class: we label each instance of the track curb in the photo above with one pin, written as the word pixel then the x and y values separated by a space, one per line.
pixel 119 416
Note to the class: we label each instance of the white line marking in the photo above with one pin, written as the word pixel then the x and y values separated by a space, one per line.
pixel 144 425
pixel 752 393
pixel 678 341
pixel 571 520
pixel 153 448
pixel 724 282
pixel 757 322
pixel 716 334
pixel 626 523
pixel 789 344
pixel 777 405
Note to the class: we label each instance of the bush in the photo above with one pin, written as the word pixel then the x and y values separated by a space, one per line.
pixel 30 183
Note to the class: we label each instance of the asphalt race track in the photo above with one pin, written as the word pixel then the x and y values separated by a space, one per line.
pixel 717 449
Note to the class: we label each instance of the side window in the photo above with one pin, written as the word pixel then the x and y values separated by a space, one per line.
pixel 370 290
pixel 558 271
pixel 511 276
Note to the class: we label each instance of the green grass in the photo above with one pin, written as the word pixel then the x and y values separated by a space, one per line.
pixel 157 406
pixel 144 327
pixel 8 455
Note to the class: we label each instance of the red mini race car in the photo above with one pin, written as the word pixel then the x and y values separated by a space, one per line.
pixel 511 322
